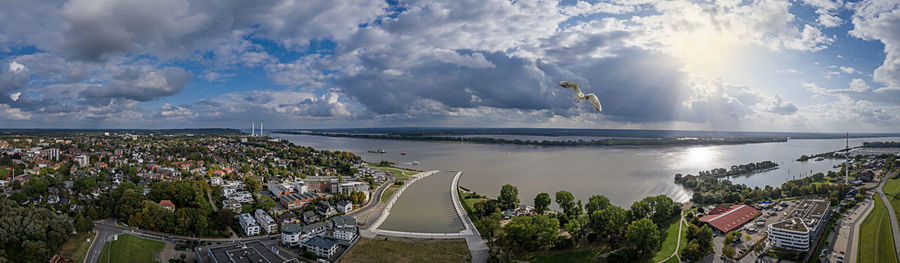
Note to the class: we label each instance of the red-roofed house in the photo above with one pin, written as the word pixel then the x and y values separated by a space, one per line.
pixel 724 218
pixel 167 204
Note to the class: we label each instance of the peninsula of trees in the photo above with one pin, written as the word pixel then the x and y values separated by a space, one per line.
pixel 598 142
pixel 891 144
pixel 735 170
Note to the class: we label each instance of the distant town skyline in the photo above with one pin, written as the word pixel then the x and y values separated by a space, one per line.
pixel 765 65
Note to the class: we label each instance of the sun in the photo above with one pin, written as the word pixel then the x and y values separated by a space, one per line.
pixel 704 50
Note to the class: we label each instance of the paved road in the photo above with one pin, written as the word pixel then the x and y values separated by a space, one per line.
pixel 375 199
pixel 890 208
pixel 477 247
pixel 104 233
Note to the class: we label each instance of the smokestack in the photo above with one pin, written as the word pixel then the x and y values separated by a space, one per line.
pixel 260 130
pixel 252 129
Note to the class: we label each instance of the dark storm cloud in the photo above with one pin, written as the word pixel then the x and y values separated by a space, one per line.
pixel 141 85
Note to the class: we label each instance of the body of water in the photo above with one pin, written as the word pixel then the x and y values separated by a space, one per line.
pixel 623 174
pixel 425 206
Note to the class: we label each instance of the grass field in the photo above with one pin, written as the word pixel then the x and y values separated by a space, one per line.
pixel 388 192
pixel 468 203
pixel 397 171
pixel 877 244
pixel 77 247
pixel 892 190
pixel 670 241
pixel 4 172
pixel 408 250
pixel 130 249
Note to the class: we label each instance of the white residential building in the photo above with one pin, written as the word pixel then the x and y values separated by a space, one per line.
pixel 321 246
pixel 801 227
pixel 290 235
pixel 82 160
pixel 266 222
pixel 345 233
pixel 251 228
pixel 242 196
pixel 215 181
pixel 53 154
pixel 234 205
pixel 344 206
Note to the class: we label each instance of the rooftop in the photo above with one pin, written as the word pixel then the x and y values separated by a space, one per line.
pixel 726 219
pixel 290 228
pixel 250 252
pixel 320 242
pixel 807 215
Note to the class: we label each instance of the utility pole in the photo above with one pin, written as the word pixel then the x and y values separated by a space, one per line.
pixel 847 160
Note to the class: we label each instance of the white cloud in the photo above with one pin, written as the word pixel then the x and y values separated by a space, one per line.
pixel 15 67
pixel 878 20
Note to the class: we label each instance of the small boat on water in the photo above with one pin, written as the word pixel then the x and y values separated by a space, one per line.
pixel 376 150
pixel 403 153
pixel 820 159
pixel 415 162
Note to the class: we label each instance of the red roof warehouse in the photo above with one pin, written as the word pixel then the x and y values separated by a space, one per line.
pixel 725 218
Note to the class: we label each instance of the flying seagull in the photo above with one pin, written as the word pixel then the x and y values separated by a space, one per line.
pixel 581 96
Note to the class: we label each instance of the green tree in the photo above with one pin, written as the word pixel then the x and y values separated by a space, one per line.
pixel 509 197
pixel 542 203
pixel 83 224
pixel 530 233
pixel 566 201
pixel 251 184
pixel 609 223
pixel 643 235
pixel 597 203
pixel 640 209
pixel 692 252
pixel 264 202
pixel 577 228
pixel 728 251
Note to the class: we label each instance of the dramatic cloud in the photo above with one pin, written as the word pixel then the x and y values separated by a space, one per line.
pixel 142 85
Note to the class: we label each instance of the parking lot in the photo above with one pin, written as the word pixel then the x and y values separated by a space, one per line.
pixel 755 229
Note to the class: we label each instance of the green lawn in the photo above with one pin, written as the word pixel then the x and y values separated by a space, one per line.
pixel 130 249
pixel 468 203
pixel 389 192
pixel 671 238
pixel 4 172
pixel 892 190
pixel 408 250
pixel 76 247
pixel 877 242
pixel 397 171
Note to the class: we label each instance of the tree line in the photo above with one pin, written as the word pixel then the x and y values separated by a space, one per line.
pixel 716 191
pixel 601 142
pixel 630 233
pixel 891 144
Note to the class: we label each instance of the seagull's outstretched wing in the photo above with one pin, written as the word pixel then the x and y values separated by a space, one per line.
pixel 593 99
pixel 572 86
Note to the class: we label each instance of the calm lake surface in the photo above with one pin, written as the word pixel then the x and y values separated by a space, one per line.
pixel 623 174
pixel 425 206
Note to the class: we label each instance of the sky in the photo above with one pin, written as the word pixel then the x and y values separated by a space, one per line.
pixel 753 65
